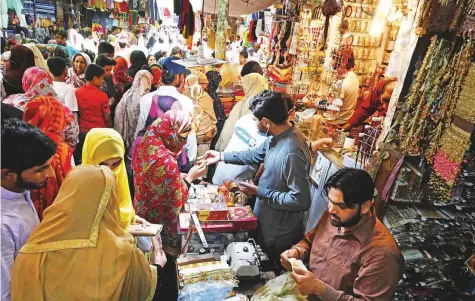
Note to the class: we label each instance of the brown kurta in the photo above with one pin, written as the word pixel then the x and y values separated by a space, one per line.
pixel 360 263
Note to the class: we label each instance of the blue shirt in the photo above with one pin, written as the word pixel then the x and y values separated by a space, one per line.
pixel 283 193
pixel 19 219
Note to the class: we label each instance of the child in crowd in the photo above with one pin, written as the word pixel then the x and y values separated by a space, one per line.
pixel 94 110
pixel 66 93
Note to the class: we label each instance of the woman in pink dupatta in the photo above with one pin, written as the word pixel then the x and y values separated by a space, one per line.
pixel 37 82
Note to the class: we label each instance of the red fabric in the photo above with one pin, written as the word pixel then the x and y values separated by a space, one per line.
pixel 49 116
pixel 157 74
pixel 371 104
pixel 159 190
pixel 249 35
pixel 121 76
pixel 123 7
pixel 92 103
pixel 186 19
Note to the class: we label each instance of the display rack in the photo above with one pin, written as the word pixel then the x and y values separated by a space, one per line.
pixel 435 243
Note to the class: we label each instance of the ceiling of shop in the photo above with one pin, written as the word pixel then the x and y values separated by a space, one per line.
pixel 236 7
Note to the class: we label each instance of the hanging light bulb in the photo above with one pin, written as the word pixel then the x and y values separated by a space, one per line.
pixel 382 12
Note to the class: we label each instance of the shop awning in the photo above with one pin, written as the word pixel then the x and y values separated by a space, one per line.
pixel 236 7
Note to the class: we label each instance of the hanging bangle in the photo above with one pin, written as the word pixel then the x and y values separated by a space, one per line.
pixel 348 11
pixel 221 156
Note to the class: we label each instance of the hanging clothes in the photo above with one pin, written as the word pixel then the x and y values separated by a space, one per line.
pixel 4 14
pixel 186 21
pixel 211 37
pixel 245 38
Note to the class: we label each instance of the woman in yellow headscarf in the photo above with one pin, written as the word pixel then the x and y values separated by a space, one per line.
pixel 253 84
pixel 105 147
pixel 80 251
pixel 230 76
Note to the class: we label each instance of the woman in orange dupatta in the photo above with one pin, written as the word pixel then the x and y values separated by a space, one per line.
pixel 48 115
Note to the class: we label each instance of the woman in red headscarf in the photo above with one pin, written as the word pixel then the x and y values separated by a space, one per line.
pixel 157 76
pixel 121 78
pixel 160 191
pixel 48 114
pixel 21 59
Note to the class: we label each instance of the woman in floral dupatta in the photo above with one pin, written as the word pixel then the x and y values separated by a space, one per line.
pixel 48 114
pixel 128 110
pixel 160 191
pixel 37 82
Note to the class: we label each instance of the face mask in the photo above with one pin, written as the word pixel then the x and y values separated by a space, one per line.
pixel 262 133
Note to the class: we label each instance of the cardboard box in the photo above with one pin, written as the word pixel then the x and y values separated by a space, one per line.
pixel 243 218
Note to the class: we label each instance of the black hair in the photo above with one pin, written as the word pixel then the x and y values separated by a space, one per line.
pixel 24 146
pixel 290 103
pixel 105 47
pixel 103 60
pixel 146 67
pixel 350 65
pixel 9 112
pixel 56 65
pixel 176 51
pixel 47 39
pixel 90 54
pixel 356 185
pixel 61 32
pixel 86 32
pixel 251 67
pixel 271 105
pixel 168 77
pixel 77 26
pixel 148 56
pixel 93 70
pixel 158 55
pixel 114 28
pixel 244 54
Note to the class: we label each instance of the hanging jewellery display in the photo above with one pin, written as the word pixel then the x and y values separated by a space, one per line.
pixel 428 87
pixel 466 104
pixel 447 163
pixel 436 16
pixel 442 109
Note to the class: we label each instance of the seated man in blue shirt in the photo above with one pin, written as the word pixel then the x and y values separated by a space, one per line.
pixel 26 164
pixel 283 191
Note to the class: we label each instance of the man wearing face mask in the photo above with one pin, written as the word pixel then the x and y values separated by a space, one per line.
pixel 351 254
pixel 283 191
pixel 377 102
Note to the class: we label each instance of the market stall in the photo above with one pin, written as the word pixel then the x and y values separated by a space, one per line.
pixel 216 245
